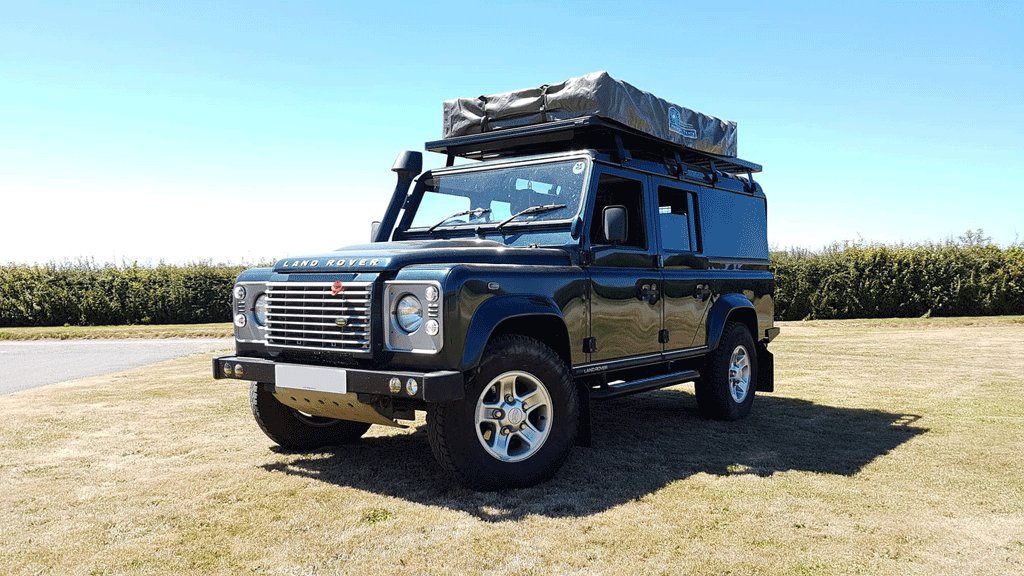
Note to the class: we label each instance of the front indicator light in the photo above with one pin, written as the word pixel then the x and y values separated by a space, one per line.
pixel 240 320
pixel 239 292
pixel 431 293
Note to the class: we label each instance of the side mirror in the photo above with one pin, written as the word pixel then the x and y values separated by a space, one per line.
pixel 615 224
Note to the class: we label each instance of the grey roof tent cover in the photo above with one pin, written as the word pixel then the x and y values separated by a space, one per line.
pixel 595 94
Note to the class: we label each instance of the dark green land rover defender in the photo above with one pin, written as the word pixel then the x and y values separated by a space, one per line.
pixel 577 258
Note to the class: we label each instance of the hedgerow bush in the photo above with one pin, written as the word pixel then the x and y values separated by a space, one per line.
pixel 85 294
pixel 967 277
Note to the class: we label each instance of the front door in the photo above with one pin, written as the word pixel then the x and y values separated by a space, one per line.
pixel 626 307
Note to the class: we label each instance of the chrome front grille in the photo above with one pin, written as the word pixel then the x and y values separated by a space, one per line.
pixel 307 316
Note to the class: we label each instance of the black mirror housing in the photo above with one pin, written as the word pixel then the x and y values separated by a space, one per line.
pixel 615 224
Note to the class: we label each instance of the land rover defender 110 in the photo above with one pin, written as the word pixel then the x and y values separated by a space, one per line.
pixel 600 242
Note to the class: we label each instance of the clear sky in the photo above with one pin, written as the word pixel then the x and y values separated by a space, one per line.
pixel 243 131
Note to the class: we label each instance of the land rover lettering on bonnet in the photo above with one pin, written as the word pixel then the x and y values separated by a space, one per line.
pixel 350 262
pixel 600 241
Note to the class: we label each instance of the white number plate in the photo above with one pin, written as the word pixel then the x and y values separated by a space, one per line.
pixel 313 378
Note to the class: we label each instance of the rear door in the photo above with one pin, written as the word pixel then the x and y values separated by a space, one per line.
pixel 687 290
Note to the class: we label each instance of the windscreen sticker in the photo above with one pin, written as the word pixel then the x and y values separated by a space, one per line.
pixel 676 124
pixel 578 167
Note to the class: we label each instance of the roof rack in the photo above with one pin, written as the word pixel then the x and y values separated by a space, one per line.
pixel 586 132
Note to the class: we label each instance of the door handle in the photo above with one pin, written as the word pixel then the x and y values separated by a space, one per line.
pixel 649 293
pixel 702 293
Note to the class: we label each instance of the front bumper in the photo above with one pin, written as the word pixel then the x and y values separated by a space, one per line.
pixel 446 386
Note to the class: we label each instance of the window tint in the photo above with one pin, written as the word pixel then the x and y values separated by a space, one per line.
pixel 617 191
pixel 674 219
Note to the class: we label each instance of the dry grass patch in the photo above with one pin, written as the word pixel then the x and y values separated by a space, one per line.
pixel 889 449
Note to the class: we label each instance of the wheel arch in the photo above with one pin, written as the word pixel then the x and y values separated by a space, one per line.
pixel 533 317
pixel 731 307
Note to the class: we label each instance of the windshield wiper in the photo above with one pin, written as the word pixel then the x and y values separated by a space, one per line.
pixel 531 210
pixel 472 212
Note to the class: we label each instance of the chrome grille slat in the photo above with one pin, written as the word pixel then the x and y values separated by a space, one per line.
pixel 284 318
pixel 301 316
pixel 324 308
pixel 316 301
pixel 326 341
pixel 302 330
pixel 292 347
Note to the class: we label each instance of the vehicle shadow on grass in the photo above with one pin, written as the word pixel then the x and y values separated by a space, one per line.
pixel 640 444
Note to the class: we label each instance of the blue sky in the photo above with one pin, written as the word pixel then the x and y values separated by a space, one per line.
pixel 242 131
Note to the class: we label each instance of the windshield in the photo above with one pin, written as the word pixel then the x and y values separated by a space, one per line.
pixel 493 196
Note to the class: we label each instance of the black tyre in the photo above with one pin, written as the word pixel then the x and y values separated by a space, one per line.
pixel 517 423
pixel 295 430
pixel 728 381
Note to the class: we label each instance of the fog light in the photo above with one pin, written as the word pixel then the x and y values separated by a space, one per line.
pixel 226 369
pixel 411 386
pixel 395 385
pixel 240 320
pixel 432 327
pixel 238 370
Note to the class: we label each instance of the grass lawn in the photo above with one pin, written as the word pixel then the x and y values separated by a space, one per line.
pixel 891 447
pixel 217 330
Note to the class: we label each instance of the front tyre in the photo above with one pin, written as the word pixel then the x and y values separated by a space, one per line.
pixel 517 423
pixel 726 388
pixel 295 430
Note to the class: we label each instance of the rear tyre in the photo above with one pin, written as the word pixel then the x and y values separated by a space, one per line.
pixel 517 423
pixel 726 388
pixel 295 430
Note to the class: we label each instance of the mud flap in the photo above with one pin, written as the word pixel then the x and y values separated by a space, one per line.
pixel 584 435
pixel 765 370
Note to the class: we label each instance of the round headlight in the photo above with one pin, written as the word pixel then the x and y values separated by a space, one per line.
pixel 409 313
pixel 259 310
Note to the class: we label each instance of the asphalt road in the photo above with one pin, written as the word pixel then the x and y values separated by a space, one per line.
pixel 29 364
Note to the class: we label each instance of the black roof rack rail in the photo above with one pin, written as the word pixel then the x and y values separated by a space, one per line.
pixel 586 132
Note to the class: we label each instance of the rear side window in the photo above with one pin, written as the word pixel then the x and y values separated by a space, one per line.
pixel 676 221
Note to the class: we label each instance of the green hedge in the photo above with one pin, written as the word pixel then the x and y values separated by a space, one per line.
pixel 84 294
pixel 969 277
pixel 972 277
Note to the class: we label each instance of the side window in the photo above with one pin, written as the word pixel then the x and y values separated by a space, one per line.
pixel 675 219
pixel 618 191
